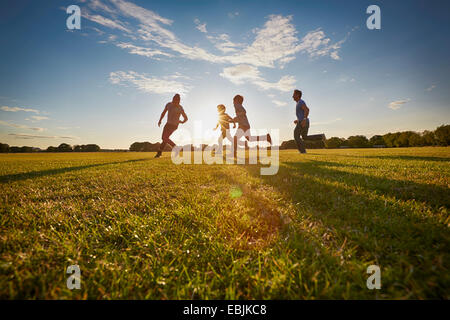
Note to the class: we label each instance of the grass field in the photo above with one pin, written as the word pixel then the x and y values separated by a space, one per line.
pixel 144 228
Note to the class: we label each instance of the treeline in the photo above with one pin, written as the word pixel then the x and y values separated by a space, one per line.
pixel 438 137
pixel 63 147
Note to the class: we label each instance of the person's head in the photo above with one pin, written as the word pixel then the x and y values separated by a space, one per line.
pixel 297 95
pixel 221 108
pixel 238 99
pixel 176 99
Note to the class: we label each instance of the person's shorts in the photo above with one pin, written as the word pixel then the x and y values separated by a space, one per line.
pixel 168 130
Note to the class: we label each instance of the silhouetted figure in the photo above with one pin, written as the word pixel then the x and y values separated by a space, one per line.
pixel 302 123
pixel 224 123
pixel 244 125
pixel 174 111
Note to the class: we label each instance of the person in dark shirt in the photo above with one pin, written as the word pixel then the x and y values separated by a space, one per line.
pixel 302 123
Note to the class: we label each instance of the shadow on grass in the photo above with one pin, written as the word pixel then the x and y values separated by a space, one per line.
pixel 409 243
pixel 433 195
pixel 387 157
pixel 36 174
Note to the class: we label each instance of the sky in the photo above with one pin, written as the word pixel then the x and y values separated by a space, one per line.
pixel 108 82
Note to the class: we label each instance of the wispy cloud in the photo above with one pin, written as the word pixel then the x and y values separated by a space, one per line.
pixel 31 136
pixel 243 72
pixel 142 51
pixel 395 105
pixel 21 126
pixel 275 44
pixel 105 22
pixel 317 44
pixel 326 122
pixel 147 83
pixel 224 44
pixel 430 88
pixel 37 118
pixel 200 26
pixel 16 109
pixel 279 103
pixel 233 15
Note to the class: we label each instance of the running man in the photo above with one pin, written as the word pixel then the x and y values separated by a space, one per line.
pixel 174 110
pixel 244 125
pixel 302 123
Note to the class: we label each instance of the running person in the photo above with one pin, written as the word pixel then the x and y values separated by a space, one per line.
pixel 302 123
pixel 224 123
pixel 244 125
pixel 174 111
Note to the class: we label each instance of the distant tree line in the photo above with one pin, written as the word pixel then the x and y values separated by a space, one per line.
pixel 438 137
pixel 63 147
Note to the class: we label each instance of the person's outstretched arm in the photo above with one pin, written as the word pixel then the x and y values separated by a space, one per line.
pixel 185 118
pixel 162 116
pixel 217 125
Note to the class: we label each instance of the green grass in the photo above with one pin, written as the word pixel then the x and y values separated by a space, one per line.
pixel 144 228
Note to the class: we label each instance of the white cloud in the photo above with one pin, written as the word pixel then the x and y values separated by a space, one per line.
pixel 21 126
pixel 316 44
pixel 232 15
pixel 105 22
pixel 37 118
pixel 240 73
pixel 223 43
pixel 275 43
pixel 430 88
pixel 395 105
pixel 326 122
pixel 30 136
pixel 285 84
pixel 142 51
pixel 146 83
pixel 200 26
pixel 279 103
pixel 16 109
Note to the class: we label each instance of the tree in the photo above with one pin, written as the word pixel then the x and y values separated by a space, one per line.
pixel 442 135
pixel 64 147
pixel 90 148
pixel 4 148
pixel 26 149
pixel 358 141
pixel 428 138
pixel 415 140
pixel 403 139
pixel 52 149
pixel 334 142
pixel 77 148
pixel 390 139
pixel 376 140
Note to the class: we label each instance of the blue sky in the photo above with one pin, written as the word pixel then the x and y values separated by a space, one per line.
pixel 108 82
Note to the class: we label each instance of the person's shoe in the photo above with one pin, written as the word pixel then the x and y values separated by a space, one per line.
pixel 269 139
pixel 158 154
